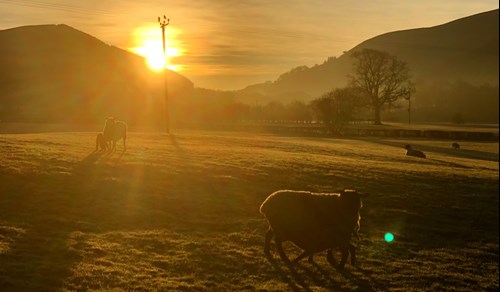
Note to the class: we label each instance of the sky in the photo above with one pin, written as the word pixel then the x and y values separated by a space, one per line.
pixel 230 44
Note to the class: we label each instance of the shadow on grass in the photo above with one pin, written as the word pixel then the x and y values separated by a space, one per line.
pixel 320 277
pixel 38 260
pixel 364 285
pixel 285 277
pixel 93 157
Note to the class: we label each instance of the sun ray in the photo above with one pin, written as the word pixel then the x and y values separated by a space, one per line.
pixel 149 45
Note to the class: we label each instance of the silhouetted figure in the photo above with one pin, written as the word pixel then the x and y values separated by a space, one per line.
pixel 113 131
pixel 314 222
pixel 455 145
pixel 412 152
pixel 100 143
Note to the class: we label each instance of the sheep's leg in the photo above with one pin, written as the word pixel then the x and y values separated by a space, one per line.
pixel 269 236
pixel 303 255
pixel 330 258
pixel 352 251
pixel 279 245
pixel 345 254
pixel 311 258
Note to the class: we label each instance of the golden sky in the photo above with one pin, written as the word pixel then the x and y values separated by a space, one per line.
pixel 229 44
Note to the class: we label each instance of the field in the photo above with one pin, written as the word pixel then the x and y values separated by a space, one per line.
pixel 180 212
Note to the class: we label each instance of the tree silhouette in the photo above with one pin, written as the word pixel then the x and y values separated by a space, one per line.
pixel 382 77
pixel 336 108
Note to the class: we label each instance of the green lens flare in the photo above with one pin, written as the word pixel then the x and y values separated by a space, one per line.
pixel 389 237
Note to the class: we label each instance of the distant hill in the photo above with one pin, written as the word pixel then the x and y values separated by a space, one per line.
pixel 57 73
pixel 465 49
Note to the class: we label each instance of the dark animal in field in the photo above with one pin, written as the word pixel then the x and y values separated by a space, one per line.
pixel 313 221
pixel 412 152
pixel 455 145
pixel 113 131
pixel 100 142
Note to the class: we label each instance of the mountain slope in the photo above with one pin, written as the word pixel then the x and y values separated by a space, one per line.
pixel 465 49
pixel 57 73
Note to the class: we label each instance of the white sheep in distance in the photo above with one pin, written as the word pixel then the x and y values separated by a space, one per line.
pixel 412 152
pixel 313 221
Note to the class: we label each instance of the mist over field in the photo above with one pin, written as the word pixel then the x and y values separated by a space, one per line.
pixel 180 212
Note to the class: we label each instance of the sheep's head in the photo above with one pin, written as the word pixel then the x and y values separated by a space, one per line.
pixel 352 198
pixel 408 147
pixel 351 205
pixel 109 121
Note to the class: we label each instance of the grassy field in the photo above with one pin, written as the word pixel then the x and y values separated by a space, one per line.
pixel 180 212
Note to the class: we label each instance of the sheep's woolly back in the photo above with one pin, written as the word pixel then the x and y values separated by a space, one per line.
pixel 114 130
pixel 292 214
pixel 295 201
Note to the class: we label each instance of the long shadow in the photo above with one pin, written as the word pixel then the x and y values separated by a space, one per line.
pixel 364 285
pixel 92 163
pixel 284 276
pixel 118 159
pixel 39 257
pixel 46 261
pixel 327 276
pixel 92 157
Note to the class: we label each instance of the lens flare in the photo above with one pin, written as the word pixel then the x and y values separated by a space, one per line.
pixel 148 44
pixel 389 237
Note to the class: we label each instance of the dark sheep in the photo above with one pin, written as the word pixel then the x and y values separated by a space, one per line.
pixel 100 143
pixel 114 131
pixel 313 221
pixel 412 152
pixel 455 145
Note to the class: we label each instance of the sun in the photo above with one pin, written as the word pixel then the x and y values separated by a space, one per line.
pixel 149 45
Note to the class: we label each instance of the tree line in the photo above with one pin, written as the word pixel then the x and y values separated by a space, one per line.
pixel 379 79
pixel 380 83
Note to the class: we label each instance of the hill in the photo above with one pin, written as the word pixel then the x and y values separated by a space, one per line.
pixel 461 51
pixel 57 73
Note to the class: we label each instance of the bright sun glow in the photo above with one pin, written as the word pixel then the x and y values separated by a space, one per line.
pixel 149 44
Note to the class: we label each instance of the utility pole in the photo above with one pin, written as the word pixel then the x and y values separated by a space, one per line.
pixel 409 111
pixel 163 24
pixel 408 98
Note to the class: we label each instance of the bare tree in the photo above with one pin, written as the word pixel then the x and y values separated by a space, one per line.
pixel 381 77
pixel 336 108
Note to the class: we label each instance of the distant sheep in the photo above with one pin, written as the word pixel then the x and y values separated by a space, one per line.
pixel 455 145
pixel 100 142
pixel 313 221
pixel 412 152
pixel 113 131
